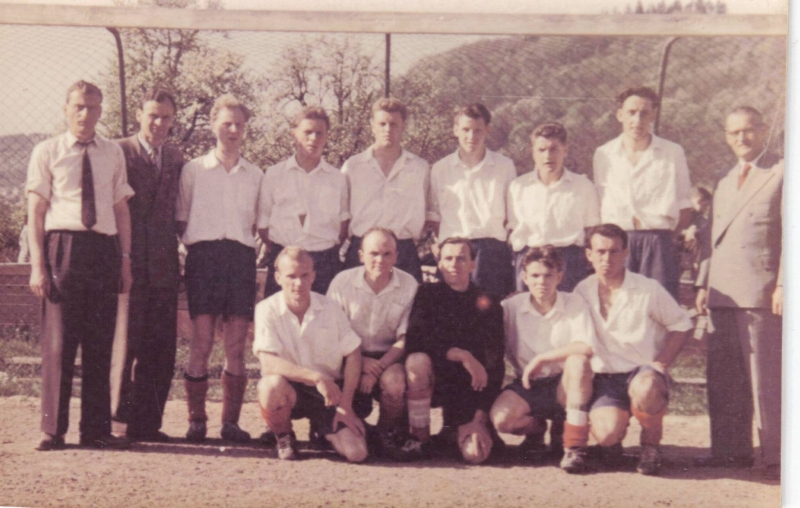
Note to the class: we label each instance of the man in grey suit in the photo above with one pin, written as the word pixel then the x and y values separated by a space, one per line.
pixel 153 172
pixel 740 282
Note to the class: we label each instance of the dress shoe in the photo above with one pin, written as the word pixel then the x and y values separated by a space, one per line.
pixel 108 442
pixel 51 443
pixel 714 461
pixel 150 437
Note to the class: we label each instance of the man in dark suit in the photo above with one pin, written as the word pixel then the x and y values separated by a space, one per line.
pixel 740 282
pixel 149 359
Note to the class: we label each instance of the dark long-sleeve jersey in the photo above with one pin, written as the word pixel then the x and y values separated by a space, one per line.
pixel 442 318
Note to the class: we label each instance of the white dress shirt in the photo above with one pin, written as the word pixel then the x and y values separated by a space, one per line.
pixel 218 204
pixel 471 202
pixel 555 214
pixel 638 322
pixel 288 191
pixel 319 343
pixel 55 172
pixel 528 333
pixel 155 158
pixel 398 202
pixel 654 190
pixel 379 319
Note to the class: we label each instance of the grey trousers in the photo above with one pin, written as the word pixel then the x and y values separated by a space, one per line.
pixel 744 379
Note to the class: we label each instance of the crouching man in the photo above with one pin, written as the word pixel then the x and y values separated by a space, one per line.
pixel 310 362
pixel 549 337
pixel 454 343
pixel 376 298
pixel 640 330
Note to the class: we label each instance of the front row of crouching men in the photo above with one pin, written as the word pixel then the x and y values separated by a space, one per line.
pixel 587 360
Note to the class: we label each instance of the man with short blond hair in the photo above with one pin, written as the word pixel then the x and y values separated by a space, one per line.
pixel 310 363
pixel 217 212
pixel 468 189
pixel 79 229
pixel 303 202
pixel 389 187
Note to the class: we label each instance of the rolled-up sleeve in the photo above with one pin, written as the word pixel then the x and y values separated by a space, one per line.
pixel 40 179
pixel 121 190
pixel 266 338
pixel 184 204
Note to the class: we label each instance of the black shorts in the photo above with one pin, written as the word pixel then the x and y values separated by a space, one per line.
pixel 452 391
pixel 542 398
pixel 311 404
pixel 221 278
pixel 611 390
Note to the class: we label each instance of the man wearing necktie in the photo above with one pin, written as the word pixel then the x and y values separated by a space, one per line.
pixel 740 282
pixel 80 245
pixel 146 367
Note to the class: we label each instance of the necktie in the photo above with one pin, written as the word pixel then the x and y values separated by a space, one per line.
pixel 88 209
pixel 743 174
pixel 157 157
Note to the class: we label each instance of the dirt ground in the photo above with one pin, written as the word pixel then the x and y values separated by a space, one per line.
pixel 179 474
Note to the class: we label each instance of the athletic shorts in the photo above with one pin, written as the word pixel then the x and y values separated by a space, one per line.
pixel 221 278
pixel 452 391
pixel 611 390
pixel 311 404
pixel 542 398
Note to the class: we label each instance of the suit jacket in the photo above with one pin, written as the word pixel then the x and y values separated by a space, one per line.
pixel 154 244
pixel 742 261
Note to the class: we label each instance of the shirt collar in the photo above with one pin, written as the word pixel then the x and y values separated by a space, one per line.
pixel 210 161
pixel 566 176
pixel 487 161
pixel 656 144
pixel 755 163
pixel 558 306
pixel 71 139
pixel 292 163
pixel 147 146
pixel 361 282
pixel 317 304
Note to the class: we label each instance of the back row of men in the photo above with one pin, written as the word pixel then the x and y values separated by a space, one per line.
pixel 86 236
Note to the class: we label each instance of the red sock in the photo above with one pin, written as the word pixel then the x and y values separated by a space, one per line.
pixel 652 426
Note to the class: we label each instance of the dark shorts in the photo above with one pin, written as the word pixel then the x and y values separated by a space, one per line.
pixel 611 390
pixel 542 398
pixel 221 279
pixel 452 391
pixel 311 404
pixel 653 254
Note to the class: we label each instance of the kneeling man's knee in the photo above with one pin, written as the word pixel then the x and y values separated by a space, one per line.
pixel 649 393
pixel 393 382
pixel 609 425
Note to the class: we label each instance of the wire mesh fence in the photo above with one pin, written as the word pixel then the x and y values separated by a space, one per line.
pixel 525 81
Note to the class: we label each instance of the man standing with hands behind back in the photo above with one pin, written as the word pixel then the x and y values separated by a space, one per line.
pixel 740 280
pixel 79 231
pixel 149 363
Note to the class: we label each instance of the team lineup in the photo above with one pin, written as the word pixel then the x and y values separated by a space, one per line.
pixel 572 282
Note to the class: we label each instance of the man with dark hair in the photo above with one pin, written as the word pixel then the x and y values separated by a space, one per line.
pixel 549 336
pixel 741 283
pixel 454 346
pixel 468 189
pixel 640 329
pixel 389 187
pixel 551 206
pixel 643 185
pixel 303 202
pixel 79 229
pixel 147 363
pixel 217 212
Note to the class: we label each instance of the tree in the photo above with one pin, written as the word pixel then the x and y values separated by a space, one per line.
pixel 186 63
pixel 335 73
pixel 693 7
